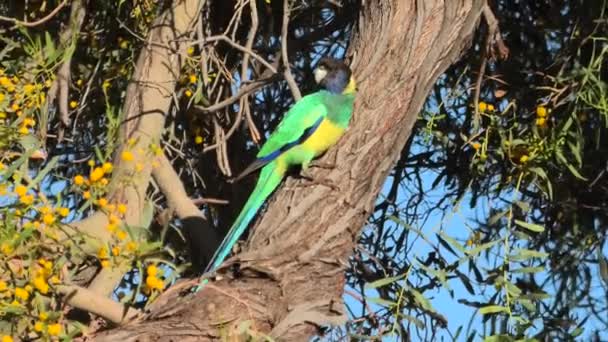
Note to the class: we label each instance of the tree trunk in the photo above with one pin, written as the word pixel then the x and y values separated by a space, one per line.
pixel 292 269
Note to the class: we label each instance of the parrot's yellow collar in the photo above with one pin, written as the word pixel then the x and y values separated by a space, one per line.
pixel 351 87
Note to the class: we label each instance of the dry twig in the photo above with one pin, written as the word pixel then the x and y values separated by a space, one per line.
pixel 39 21
pixel 295 91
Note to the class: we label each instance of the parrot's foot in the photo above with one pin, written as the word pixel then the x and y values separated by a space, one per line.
pixel 200 285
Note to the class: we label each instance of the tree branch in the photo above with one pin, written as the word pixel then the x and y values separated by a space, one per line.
pixel 293 86
pixel 96 304
pixel 39 21
pixel 173 189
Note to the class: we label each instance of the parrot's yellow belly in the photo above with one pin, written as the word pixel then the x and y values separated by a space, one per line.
pixel 323 138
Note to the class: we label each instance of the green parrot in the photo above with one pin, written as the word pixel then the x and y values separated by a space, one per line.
pixel 310 127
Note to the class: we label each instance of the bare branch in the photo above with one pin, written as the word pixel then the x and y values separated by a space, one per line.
pixel 493 39
pixel 206 200
pixel 39 21
pixel 92 302
pixel 170 185
pixel 60 88
pixel 243 91
pixel 295 91
pixel 237 46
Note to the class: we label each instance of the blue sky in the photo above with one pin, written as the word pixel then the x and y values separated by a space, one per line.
pixel 458 224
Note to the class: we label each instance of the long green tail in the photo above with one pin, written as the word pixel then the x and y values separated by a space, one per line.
pixel 270 177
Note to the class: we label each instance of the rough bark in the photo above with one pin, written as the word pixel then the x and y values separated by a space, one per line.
pixel 292 269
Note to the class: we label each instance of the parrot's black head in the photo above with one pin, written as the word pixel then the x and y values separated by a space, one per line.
pixel 334 76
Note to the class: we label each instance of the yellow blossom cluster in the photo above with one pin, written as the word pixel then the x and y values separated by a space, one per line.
pixel 485 107
pixel 20 96
pixel 541 116
pixel 42 325
pixel 129 154
pixel 21 286
pixel 97 181
pixel 43 276
pixel 153 280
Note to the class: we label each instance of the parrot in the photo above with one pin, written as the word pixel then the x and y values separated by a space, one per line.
pixel 313 124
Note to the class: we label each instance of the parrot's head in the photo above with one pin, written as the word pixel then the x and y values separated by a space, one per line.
pixel 335 76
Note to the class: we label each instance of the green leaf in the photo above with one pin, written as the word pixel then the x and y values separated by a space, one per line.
pixel 526 303
pixel 528 269
pixel 446 245
pixel 490 309
pixel 542 174
pixel 29 143
pixel 458 331
pixel 98 153
pixel 530 226
pixel 537 295
pixel 603 266
pixel 147 215
pixel 381 301
pixel 513 289
pixel 15 165
pixel 572 169
pixel 575 172
pixel 496 217
pixel 409 227
pixel 524 254
pixel 48 168
pixel 576 152
pixel 498 338
pixel 453 242
pixel 577 332
pixel 418 323
pixel 525 206
pixel 440 274
pixel 482 247
pixel 516 142
pixel 383 282
pixel 49 46
pixel 567 125
pixel 422 300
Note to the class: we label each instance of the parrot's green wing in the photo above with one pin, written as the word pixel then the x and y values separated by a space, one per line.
pixel 301 117
pixel 297 125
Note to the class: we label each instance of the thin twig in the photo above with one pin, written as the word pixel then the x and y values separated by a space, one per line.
pixel 362 301
pixel 493 38
pixel 220 141
pixel 226 136
pixel 203 58
pixel 223 38
pixel 255 135
pixel 494 32
pixel 37 22
pixel 250 39
pixel 243 91
pixel 77 14
pixel 97 304
pixel 208 200
pixel 287 73
pixel 482 70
